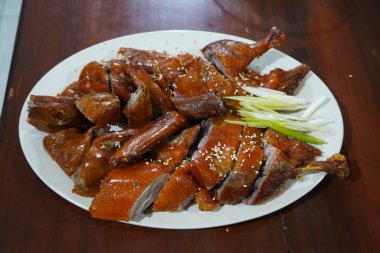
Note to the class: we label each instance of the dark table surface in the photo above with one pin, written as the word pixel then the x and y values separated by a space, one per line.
pixel 339 40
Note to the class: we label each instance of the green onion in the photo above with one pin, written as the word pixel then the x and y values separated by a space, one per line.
pixel 268 108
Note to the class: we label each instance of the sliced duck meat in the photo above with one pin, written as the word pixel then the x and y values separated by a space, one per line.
pixel 206 199
pixel 145 139
pixel 200 107
pixel 68 147
pixel 95 165
pixel 100 108
pixel 163 68
pixel 160 99
pixel 216 150
pixel 126 192
pixel 139 109
pixel 233 57
pixel 120 82
pixel 278 170
pixel 172 151
pixel 245 170
pixel 201 77
pixel 178 191
pixel 298 152
pixel 51 114
pixel 71 91
pixel 93 79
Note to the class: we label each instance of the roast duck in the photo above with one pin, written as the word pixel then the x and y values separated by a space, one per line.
pixel 174 146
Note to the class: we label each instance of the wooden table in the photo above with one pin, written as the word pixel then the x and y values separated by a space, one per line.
pixel 340 41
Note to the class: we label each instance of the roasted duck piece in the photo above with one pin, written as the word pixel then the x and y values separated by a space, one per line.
pixel 139 109
pixel 68 147
pixel 92 79
pixel 146 138
pixel 120 82
pixel 178 191
pixel 164 69
pixel 278 170
pixel 172 151
pixel 298 152
pixel 277 79
pixel 216 151
pixel 126 192
pixel 95 165
pixel 51 114
pixel 245 170
pixel 159 98
pixel 233 57
pixel 201 106
pixel 201 77
pixel 206 199
pixel 100 108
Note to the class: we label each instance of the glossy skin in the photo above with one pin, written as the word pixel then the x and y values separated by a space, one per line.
pixel 51 114
pixel 245 170
pixel 277 170
pixel 120 82
pixel 147 138
pixel 200 107
pixel 160 99
pixel 163 68
pixel 100 108
pixel 178 191
pixel 214 157
pixel 206 200
pixel 93 79
pixel 172 151
pixel 95 165
pixel 299 153
pixel 139 109
pixel 233 57
pixel 68 148
pixel 121 189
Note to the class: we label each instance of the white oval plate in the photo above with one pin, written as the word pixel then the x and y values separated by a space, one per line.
pixel 174 42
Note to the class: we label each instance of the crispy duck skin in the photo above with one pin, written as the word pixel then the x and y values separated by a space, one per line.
pixel 277 79
pixel 278 170
pixel 139 108
pixel 216 150
pixel 206 200
pixel 120 82
pixel 200 107
pixel 145 139
pixel 286 81
pixel 298 152
pixel 245 170
pixel 51 114
pixel 92 79
pixel 163 68
pixel 178 191
pixel 100 108
pixel 201 77
pixel 95 165
pixel 172 151
pixel 68 148
pixel 126 192
pixel 233 57
pixel 160 99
